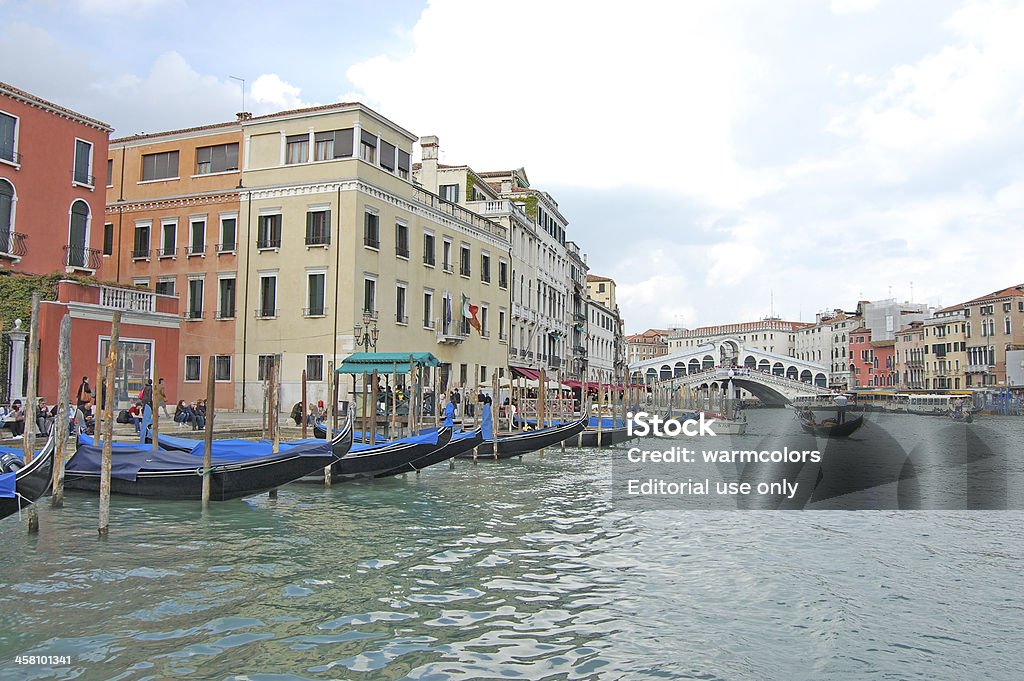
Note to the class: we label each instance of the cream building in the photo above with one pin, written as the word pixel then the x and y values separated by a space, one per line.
pixel 827 342
pixel 337 244
pixel 945 349
pixel 546 271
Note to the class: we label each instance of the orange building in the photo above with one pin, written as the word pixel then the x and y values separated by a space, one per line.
pixel 52 173
pixel 173 205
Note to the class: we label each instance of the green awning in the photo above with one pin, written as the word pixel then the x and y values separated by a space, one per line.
pixel 385 362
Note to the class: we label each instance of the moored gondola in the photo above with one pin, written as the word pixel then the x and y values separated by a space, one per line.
pixel 459 443
pixel 366 460
pixel 21 485
pixel 236 471
pixel 519 443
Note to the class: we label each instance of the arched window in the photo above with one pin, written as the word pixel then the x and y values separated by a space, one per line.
pixel 6 215
pixel 78 235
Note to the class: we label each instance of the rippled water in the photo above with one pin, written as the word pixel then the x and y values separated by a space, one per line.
pixel 522 569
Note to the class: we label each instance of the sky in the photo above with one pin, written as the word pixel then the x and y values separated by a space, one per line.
pixel 721 161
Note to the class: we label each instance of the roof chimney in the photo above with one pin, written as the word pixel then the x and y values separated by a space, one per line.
pixel 430 145
pixel 428 168
pixel 244 115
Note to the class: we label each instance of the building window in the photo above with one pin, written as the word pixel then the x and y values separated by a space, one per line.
pixel 332 144
pixel 428 248
pixel 268 231
pixel 226 298
pixel 195 299
pixel 163 166
pixel 110 172
pixel 401 240
pixel 217 159
pixel 83 163
pixel 314 367
pixel 78 236
pixel 371 230
pixel 316 285
pixel 403 164
pixel 296 149
pixel 502 274
pixel 228 229
pixel 268 296
pixel 446 255
pixel 400 315
pixel 192 365
pixel 387 156
pixel 9 138
pixel 170 238
pixel 428 309
pixel 197 242
pixel 222 368
pixel 165 287
pixel 449 192
pixel 6 215
pixel 370 297
pixel 485 329
pixel 1006 325
pixel 485 268
pixel 140 248
pixel 318 227
pixel 265 363
pixel 464 255
pixel 368 147
pixel 501 324
pixel 108 238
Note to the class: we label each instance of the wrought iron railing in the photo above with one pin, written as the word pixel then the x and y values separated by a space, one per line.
pixel 13 243
pixel 81 257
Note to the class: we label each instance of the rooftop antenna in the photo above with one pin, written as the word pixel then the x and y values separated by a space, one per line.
pixel 242 81
pixel 911 291
pixel 771 304
pixel 890 291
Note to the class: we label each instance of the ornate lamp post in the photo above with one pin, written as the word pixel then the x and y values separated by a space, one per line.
pixel 366 337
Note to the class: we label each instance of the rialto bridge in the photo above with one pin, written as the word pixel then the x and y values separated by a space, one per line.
pixel 769 376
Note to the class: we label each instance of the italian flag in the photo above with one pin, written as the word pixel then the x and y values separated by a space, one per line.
pixel 469 312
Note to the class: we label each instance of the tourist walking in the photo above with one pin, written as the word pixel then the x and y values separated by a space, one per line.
pixel 84 393
pixel 161 396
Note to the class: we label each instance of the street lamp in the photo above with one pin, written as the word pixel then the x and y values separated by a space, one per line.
pixel 366 337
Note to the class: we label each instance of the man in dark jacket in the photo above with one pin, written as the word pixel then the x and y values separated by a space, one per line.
pixel 84 392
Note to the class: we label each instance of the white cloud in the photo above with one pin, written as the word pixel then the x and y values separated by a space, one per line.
pixel 122 7
pixel 271 91
pixel 853 6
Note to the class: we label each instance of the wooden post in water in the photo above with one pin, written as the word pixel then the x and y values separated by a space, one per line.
pixel 154 405
pixel 332 406
pixel 412 399
pixel 600 408
pixel 365 428
pixel 211 395
pixel 374 390
pixel 394 399
pixel 437 397
pixel 63 408
pixel 305 407
pixel 106 460
pixel 495 420
pixel 542 402
pixel 561 406
pixel 28 441
pixel 272 413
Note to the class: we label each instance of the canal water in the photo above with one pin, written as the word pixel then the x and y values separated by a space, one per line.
pixel 522 569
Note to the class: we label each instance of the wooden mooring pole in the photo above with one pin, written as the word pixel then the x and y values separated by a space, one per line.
pixel 63 408
pixel 332 406
pixel 154 403
pixel 107 411
pixel 211 396
pixel 273 411
pixel 305 408
pixel 29 433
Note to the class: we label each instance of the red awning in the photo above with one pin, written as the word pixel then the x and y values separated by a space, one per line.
pixel 531 374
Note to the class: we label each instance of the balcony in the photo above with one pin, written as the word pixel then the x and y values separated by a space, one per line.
pixel 555 362
pixel 579 350
pixel 318 237
pixel 192 315
pixel 371 243
pixel 449 337
pixel 196 250
pixel 370 315
pixel 168 252
pixel 428 259
pixel 315 311
pixel 127 299
pixel 579 317
pixel 81 259
pixel 402 319
pixel 402 251
pixel 265 313
pixel 226 247
pixel 266 243
pixel 12 245
pixel 83 179
pixel 226 314
pixel 977 368
pixel 140 253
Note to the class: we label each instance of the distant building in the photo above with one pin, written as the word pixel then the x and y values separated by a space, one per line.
pixel 770 334
pixel 873 361
pixel 885 317
pixel 53 170
pixel 910 363
pixel 825 342
pixel 995 326
pixel 602 289
pixel 945 349
pixel 645 345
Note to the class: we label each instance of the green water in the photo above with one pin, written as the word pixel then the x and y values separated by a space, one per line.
pixel 521 569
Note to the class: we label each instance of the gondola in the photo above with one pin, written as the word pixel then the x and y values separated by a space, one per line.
pixel 961 416
pixel 830 428
pixel 340 443
pixel 21 485
pixel 320 432
pixel 607 437
pixel 929 412
pixel 458 444
pixel 236 471
pixel 519 443
pixel 366 460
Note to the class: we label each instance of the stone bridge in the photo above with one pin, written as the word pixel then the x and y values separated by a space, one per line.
pixel 773 378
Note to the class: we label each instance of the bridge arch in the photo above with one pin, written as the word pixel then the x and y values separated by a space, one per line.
pixel 679 370
pixel 693 366
pixel 764 365
pixel 792 374
pixel 778 369
pixel 821 380
pixel 750 362
pixel 666 372
pixel 806 376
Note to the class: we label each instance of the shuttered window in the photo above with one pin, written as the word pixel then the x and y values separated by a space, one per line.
pixel 161 166
pixel 216 159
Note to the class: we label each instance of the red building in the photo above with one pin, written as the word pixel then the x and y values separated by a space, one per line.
pixel 53 177
pixel 149 328
pixel 872 363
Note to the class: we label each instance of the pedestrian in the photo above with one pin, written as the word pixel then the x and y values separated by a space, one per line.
pixel 181 415
pixel 135 415
pixel 44 417
pixel 296 413
pixel 199 415
pixel 146 396
pixel 17 416
pixel 84 393
pixel 449 413
pixel 161 396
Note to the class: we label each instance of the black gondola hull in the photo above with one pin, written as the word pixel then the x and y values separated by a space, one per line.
pixel 517 444
pixel 31 482
pixel 837 430
pixel 609 437
pixel 381 459
pixel 454 448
